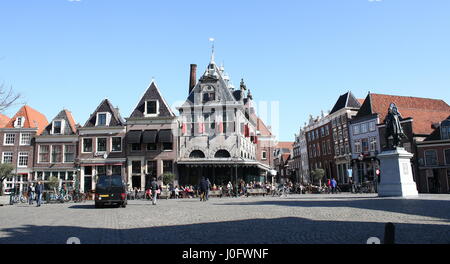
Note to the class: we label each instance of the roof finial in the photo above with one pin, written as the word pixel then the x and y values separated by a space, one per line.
pixel 212 50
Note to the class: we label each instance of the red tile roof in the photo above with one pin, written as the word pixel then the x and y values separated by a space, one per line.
pixel 262 128
pixel 71 121
pixel 424 111
pixel 285 145
pixel 361 101
pixel 3 120
pixel 33 119
pixel 285 156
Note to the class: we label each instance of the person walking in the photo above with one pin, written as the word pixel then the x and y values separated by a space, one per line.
pixel 30 194
pixel 203 189
pixel 39 189
pixel 154 186
pixel 333 185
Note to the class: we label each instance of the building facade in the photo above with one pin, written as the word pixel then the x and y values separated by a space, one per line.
pixel 151 144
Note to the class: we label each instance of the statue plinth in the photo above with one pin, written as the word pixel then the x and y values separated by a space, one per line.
pixel 396 174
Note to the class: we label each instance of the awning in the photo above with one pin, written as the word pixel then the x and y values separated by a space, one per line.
pixel 149 136
pixel 134 137
pixel 165 136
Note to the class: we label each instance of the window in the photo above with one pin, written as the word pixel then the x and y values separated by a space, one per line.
pixel 364 128
pixel 87 145
pixel 336 150
pixel 430 157
pixel 167 146
pixel 57 127
pixel 136 167
pixel 88 170
pixel 447 156
pixel 19 121
pixel 101 170
pixel 23 159
pixel 151 167
pixel 365 145
pixel 116 144
pixel 445 132
pixel 151 107
pixel 25 139
pixel 167 166
pixel 358 146
pixel 69 153
pixel 151 146
pixel 356 130
pixel 101 144
pixel 324 148
pixel 136 147
pixel 56 153
pixel 373 144
pixel 116 170
pixel 44 153
pixel 103 119
pixel 7 157
pixel 372 126
pixel 9 139
pixel 264 155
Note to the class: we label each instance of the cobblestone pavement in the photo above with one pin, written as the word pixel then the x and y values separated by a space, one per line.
pixel 342 218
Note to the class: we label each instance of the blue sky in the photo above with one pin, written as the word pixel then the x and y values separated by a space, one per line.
pixel 300 53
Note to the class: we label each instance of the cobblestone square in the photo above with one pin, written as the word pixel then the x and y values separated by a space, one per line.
pixel 336 219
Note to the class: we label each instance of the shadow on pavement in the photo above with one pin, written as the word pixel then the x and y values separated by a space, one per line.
pixel 289 230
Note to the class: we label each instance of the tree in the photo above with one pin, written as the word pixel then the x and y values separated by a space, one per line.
pixel 5 172
pixel 318 175
pixel 53 183
pixel 168 177
pixel 7 97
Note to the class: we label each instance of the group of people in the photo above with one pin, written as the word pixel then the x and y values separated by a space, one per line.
pixel 332 185
pixel 35 193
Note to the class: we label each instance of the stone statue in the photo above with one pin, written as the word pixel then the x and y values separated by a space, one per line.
pixel 394 128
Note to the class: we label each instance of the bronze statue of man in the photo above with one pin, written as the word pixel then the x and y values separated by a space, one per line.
pixel 394 127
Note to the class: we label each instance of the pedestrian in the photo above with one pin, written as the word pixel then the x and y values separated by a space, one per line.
pixel 39 189
pixel 154 186
pixel 329 185
pixel 203 189
pixel 30 194
pixel 333 185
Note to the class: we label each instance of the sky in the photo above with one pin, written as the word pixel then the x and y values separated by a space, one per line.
pixel 295 56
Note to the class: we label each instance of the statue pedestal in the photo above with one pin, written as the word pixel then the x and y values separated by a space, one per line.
pixel 396 174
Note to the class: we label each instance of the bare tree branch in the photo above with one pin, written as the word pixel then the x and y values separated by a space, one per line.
pixel 7 97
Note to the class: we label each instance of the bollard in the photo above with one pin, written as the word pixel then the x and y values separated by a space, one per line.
pixel 389 233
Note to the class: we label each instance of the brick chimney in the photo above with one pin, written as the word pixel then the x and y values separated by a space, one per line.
pixel 193 77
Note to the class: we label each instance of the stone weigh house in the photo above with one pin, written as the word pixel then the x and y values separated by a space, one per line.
pixel 217 135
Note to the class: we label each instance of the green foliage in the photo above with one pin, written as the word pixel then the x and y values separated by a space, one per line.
pixel 318 175
pixel 168 177
pixel 53 182
pixel 6 170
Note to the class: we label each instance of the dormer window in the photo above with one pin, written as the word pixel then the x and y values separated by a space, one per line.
pixel 445 129
pixel 151 108
pixel 103 119
pixel 58 127
pixel 209 94
pixel 19 121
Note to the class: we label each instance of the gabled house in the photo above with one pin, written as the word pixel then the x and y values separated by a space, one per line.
pixel 151 142
pixel 17 139
pixel 101 145
pixel 56 150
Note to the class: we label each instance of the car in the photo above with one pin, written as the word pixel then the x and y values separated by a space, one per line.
pixel 110 190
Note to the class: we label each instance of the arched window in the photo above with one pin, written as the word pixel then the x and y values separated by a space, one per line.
pixel 197 154
pixel 222 154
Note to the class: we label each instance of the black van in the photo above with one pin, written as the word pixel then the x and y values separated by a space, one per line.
pixel 110 190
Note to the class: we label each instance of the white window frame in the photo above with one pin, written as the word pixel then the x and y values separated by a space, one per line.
pixel 108 118
pixel 21 138
pixel 6 136
pixel 18 160
pixel 364 128
pixel 96 145
pixel 51 154
pixel 39 153
pixel 64 153
pixel 264 155
pixel 121 144
pixel 3 157
pixel 63 123
pixel 356 129
pixel 157 108
pixel 22 121
pixel 373 125
pixel 82 145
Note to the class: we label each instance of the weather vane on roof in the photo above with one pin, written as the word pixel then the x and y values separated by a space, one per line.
pixel 212 48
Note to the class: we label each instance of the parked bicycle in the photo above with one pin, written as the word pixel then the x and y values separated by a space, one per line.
pixel 19 198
